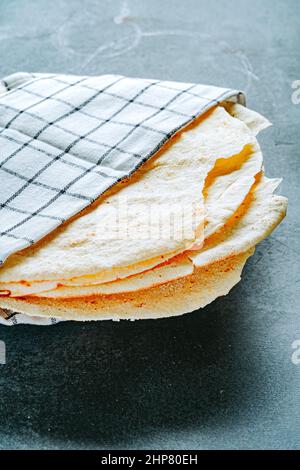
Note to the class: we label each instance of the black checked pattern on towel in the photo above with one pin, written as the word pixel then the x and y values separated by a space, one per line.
pixel 113 159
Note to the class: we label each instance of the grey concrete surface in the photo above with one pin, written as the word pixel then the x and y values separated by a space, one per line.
pixel 222 377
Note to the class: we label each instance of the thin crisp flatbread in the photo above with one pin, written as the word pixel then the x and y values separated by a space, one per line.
pixel 257 218
pixel 174 298
pixel 254 121
pixel 95 241
pixel 230 180
pixel 226 192
pixel 253 222
pixel 174 269
pixel 31 287
pixel 228 186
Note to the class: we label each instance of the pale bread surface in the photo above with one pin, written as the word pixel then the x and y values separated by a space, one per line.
pixel 179 267
pixel 255 121
pixel 228 189
pixel 263 212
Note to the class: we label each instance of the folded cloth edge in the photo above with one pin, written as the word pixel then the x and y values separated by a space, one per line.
pixel 13 83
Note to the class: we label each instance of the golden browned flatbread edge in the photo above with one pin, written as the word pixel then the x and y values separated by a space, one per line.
pixel 174 298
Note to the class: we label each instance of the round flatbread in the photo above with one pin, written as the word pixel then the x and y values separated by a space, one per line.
pixel 255 220
pixel 174 298
pixel 176 268
pixel 97 240
pixel 226 187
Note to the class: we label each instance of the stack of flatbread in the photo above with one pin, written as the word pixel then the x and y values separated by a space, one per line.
pixel 166 241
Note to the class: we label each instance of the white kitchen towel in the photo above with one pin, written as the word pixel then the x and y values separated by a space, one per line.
pixel 66 139
pixel 9 318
